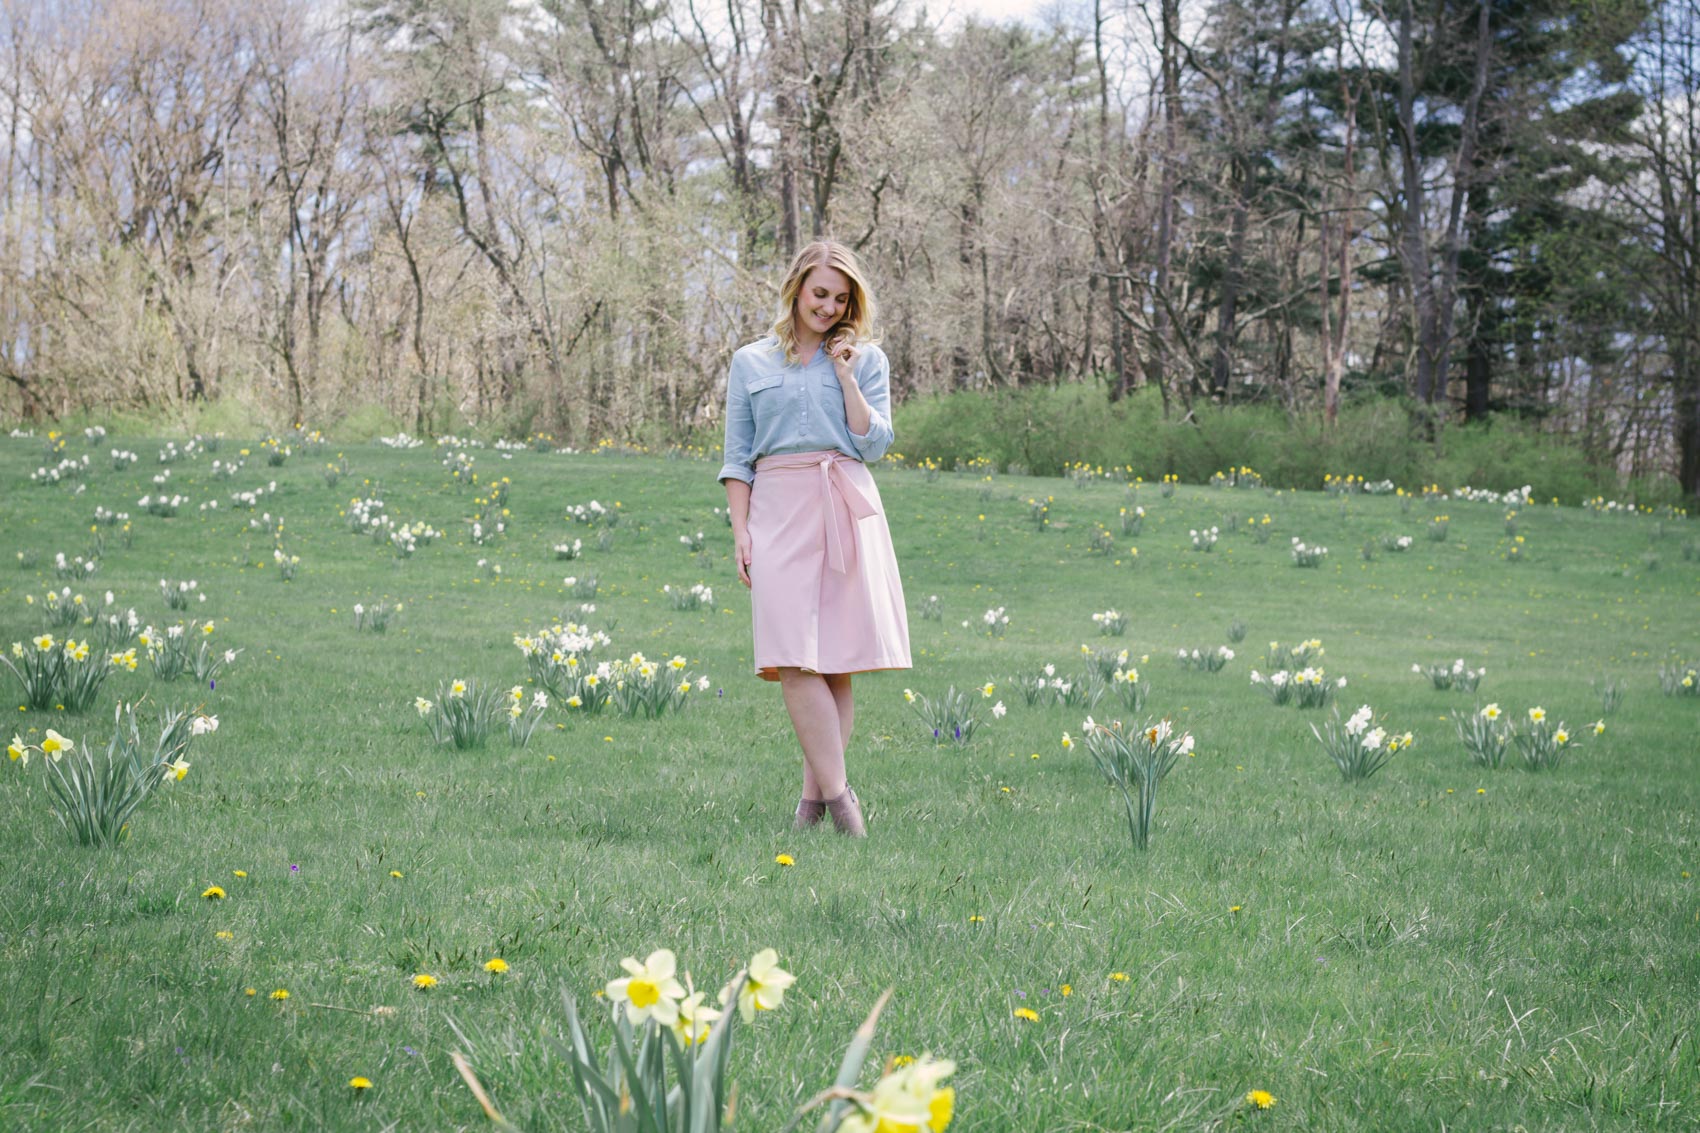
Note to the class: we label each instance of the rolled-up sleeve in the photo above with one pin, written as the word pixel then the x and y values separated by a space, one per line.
pixel 740 426
pixel 875 384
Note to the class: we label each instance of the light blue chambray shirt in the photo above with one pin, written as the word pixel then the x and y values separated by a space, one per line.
pixel 773 407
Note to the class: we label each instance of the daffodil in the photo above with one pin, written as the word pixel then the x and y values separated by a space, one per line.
pixel 694 1021
pixel 55 744
pixel 1491 712
pixel 987 689
pixel 458 688
pixel 1537 715
pixel 649 990
pixel 18 751
pixel 908 1100
pixel 909 695
pixel 179 768
pixel 1599 727
pixel 421 705
pixel 44 642
pixel 764 990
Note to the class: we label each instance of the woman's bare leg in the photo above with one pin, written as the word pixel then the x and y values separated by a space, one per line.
pixel 839 683
pixel 814 714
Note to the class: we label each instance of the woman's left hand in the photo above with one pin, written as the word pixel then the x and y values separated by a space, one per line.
pixel 844 355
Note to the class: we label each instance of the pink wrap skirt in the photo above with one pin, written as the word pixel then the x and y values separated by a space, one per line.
pixel 825 592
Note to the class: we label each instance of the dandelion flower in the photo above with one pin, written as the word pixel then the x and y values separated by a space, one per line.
pixel 250 992
pixel 1027 1013
pixel 360 1083
pixel 225 934
pixel 496 965
pixel 976 919
pixel 785 859
pixel 1065 990
pixel 1260 1099
pixel 1119 977
pixel 239 873
pixel 213 893
pixel 424 981
pixel 396 873
pixel 280 994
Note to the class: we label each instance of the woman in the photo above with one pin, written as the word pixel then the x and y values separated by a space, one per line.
pixel 807 408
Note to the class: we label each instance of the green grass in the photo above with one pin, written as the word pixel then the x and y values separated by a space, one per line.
pixel 1442 947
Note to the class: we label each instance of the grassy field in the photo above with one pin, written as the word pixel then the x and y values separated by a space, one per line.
pixel 1442 947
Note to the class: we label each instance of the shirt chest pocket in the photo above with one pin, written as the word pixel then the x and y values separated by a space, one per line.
pixel 763 383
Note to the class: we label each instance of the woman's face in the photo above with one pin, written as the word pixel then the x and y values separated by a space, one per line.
pixel 823 300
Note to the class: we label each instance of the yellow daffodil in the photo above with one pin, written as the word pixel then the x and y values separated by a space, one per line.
pixel 649 990
pixel 909 695
pixel 458 688
pixel 178 768
pixel 1537 715
pixel 987 689
pixel 17 750
pixel 694 1021
pixel 764 990
pixel 910 1099
pixel 1599 727
pixel 1491 712
pixel 1561 736
pixel 44 642
pixel 55 744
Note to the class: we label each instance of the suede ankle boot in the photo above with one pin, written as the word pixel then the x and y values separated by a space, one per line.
pixel 809 812
pixel 846 811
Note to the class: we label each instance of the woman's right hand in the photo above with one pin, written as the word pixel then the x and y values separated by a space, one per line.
pixel 741 555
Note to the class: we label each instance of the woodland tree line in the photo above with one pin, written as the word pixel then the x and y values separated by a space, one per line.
pixel 566 214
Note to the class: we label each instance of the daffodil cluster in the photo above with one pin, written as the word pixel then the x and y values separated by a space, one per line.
pixel 1360 747
pixel 652 689
pixel 559 660
pixel 523 717
pixel 1457 676
pixel 179 594
pixel 1049 687
pixel 664 1029
pixel 94 799
pixel 1133 520
pixel 60 609
pixel 698 597
pixel 1543 744
pixel 1305 688
pixel 952 718
pixel 1679 679
pixel 1110 623
pixel 910 1098
pixel 1485 734
pixel 464 712
pixel 162 505
pixel 1307 554
pixel 594 514
pixel 45 476
pixel 57 674
pixel 1397 544
pixel 376 617
pixel 1293 657
pixel 1204 539
pixel 75 568
pixel 1135 760
pixel 185 648
pixel 1205 660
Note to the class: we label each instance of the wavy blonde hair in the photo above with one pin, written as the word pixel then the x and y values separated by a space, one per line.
pixel 859 313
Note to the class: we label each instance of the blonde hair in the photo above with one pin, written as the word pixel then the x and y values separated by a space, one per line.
pixel 858 321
